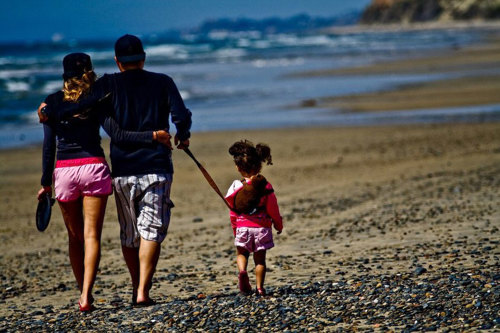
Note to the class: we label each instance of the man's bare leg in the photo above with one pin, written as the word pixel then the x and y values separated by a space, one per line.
pixel 149 252
pixel 131 256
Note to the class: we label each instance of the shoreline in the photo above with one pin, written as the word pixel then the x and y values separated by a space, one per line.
pixel 483 116
pixel 362 206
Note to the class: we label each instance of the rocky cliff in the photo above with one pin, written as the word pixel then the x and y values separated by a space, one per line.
pixel 406 11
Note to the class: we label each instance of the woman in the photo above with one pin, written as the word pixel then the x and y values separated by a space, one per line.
pixel 82 178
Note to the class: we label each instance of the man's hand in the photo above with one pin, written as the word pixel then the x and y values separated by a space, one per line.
pixel 43 190
pixel 163 137
pixel 181 144
pixel 42 116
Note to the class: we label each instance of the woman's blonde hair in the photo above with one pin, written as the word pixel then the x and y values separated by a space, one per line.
pixel 75 87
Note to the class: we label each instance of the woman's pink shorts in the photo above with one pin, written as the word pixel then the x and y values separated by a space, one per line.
pixel 82 177
pixel 254 239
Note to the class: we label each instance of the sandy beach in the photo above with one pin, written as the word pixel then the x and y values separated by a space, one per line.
pixel 368 212
pixel 386 228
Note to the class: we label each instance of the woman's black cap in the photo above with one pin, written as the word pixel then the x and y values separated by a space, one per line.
pixel 129 48
pixel 75 64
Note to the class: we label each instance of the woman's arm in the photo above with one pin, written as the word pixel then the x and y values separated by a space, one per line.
pixel 121 136
pixel 48 157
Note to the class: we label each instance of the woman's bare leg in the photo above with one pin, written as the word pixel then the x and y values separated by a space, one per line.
pixel 73 219
pixel 94 209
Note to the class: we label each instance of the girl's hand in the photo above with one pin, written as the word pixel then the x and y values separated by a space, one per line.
pixel 43 190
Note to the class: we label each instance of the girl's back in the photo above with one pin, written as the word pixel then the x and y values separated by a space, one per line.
pixel 265 215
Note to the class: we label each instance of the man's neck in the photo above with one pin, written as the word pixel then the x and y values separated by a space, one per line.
pixel 130 66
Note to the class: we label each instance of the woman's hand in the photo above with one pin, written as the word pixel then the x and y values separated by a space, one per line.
pixel 43 190
pixel 163 137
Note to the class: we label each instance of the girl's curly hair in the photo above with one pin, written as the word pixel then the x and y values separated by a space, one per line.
pixel 248 158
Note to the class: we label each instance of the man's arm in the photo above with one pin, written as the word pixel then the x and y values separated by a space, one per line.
pixel 99 92
pixel 181 116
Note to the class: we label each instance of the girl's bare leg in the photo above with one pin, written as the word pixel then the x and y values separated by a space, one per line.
pixel 242 258
pixel 259 258
pixel 242 262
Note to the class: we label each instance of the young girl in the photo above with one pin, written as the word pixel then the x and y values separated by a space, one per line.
pixel 252 230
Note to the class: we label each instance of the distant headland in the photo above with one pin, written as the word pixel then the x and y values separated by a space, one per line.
pixel 413 11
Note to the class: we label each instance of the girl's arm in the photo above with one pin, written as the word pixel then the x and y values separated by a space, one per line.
pixel 274 212
pixel 232 217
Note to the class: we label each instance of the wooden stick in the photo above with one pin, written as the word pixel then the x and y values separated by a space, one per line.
pixel 207 176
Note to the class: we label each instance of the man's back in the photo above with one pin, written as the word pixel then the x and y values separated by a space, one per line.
pixel 143 101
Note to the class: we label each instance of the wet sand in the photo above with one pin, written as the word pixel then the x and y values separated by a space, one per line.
pixel 449 93
pixel 367 212
pixel 474 80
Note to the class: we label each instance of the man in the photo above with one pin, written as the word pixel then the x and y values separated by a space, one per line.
pixel 142 173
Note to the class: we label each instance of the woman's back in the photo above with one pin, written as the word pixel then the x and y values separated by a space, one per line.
pixel 77 137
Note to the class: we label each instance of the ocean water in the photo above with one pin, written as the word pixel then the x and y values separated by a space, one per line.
pixel 238 80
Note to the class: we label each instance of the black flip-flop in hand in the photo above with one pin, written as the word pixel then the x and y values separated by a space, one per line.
pixel 43 211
